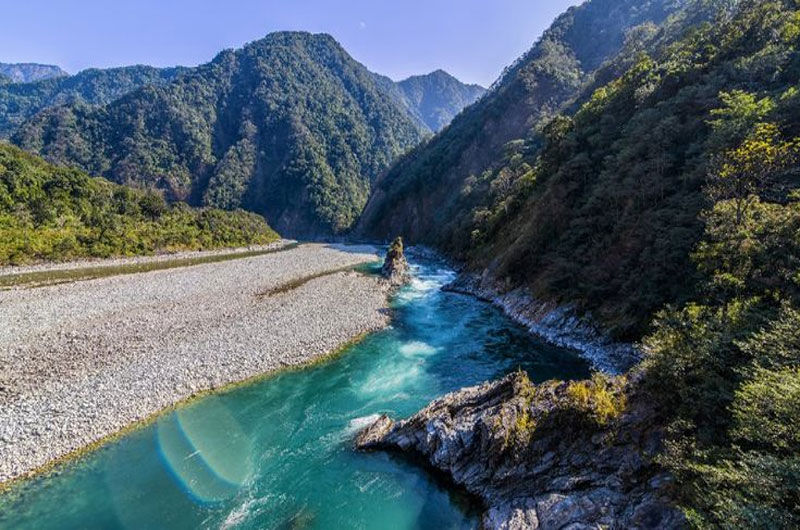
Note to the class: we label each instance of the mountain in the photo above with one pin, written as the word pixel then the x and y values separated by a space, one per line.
pixel 453 191
pixel 57 214
pixel 20 101
pixel 28 72
pixel 415 196
pixel 661 199
pixel 433 99
pixel 289 126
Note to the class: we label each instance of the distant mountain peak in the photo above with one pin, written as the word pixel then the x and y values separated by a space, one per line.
pixel 29 72
pixel 441 76
pixel 434 99
pixel 94 86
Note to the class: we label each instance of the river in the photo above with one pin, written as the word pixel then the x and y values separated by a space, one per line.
pixel 278 453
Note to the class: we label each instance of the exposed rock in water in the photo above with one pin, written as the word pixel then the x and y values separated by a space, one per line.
pixel 395 266
pixel 558 325
pixel 557 455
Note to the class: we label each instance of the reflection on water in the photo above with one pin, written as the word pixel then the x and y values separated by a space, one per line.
pixel 206 450
pixel 278 454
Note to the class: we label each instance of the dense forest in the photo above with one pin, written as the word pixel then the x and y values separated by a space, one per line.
pixel 420 192
pixel 290 127
pixel 50 213
pixel 595 206
pixel 726 365
pixel 22 100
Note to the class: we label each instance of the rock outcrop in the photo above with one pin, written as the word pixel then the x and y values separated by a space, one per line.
pixel 558 325
pixel 552 456
pixel 395 266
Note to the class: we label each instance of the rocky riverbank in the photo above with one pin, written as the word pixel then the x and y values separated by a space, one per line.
pixel 552 456
pixel 558 325
pixel 82 360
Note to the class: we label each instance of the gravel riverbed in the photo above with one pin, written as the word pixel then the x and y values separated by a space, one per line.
pixel 82 360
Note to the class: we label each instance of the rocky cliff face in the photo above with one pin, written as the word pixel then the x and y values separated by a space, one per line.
pixel 558 325
pixel 552 456
pixel 29 72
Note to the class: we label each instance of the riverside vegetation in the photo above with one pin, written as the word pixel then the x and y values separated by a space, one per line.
pixel 50 213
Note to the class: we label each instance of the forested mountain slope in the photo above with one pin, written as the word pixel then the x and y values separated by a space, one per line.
pixel 57 214
pixel 671 187
pixel 289 126
pixel 598 210
pixel 20 101
pixel 420 192
pixel 724 368
pixel 433 99
pixel 28 72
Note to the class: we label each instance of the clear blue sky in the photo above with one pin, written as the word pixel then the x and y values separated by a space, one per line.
pixel 472 39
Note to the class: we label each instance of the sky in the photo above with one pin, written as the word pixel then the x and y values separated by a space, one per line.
pixel 472 39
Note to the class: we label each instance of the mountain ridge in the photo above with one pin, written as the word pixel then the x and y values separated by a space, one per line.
pixel 528 92
pixel 93 86
pixel 439 96
pixel 289 126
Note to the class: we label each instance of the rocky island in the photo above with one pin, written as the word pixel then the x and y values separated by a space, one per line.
pixel 395 266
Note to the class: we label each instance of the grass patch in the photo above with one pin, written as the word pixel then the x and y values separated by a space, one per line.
pixel 54 277
pixel 600 399
pixel 299 282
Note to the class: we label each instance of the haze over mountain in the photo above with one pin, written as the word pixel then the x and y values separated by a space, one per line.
pixel 433 99
pixel 28 72
pixel 289 126
pixel 20 101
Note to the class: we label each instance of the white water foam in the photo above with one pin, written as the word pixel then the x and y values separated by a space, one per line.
pixel 241 513
pixel 358 424
pixel 396 378
pixel 417 348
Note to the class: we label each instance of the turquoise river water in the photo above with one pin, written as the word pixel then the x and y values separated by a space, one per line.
pixel 278 454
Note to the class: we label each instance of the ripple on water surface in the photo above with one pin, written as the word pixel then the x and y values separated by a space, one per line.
pixel 278 454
